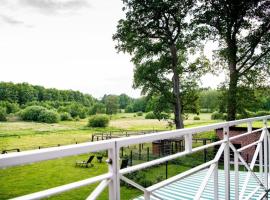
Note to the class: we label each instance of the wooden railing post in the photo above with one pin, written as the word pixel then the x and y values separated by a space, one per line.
pixel 227 162
pixel 113 161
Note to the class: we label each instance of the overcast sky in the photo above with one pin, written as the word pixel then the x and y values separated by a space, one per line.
pixel 66 44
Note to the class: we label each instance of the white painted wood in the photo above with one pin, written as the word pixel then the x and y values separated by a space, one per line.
pixel 94 195
pixel 136 185
pixel 13 159
pixel 25 157
pixel 236 176
pixel 249 145
pixel 245 134
pixel 227 162
pixel 205 181
pixel 216 182
pixel 167 158
pixel 249 126
pixel 188 142
pixel 265 159
pixel 114 186
pixel 180 176
pixel 64 188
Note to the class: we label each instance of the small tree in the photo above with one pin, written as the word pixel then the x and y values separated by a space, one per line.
pixel 111 103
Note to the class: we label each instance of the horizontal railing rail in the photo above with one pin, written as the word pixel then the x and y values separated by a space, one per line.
pixel 112 178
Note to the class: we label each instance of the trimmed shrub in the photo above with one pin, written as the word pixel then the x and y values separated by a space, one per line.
pixel 196 118
pixel 98 121
pixel 150 115
pixel 32 113
pixel 65 116
pixel 48 116
pixel 217 115
pixel 3 114
pixel 140 113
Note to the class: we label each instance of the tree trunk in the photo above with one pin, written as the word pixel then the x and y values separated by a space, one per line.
pixel 176 90
pixel 232 93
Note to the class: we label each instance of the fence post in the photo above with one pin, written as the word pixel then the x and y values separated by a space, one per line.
pixel 227 162
pixel 148 150
pixel 140 151
pixel 130 157
pixel 188 142
pixel 114 185
pixel 249 125
pixel 122 152
pixel 166 169
pixel 204 151
pixel 265 160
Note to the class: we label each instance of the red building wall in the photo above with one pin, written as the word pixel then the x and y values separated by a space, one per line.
pixel 247 154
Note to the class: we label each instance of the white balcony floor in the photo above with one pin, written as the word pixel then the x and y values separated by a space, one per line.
pixel 187 187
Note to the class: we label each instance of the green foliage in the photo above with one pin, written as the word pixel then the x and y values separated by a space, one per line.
pixel 111 104
pixel 140 113
pixel 23 93
pixel 76 110
pixel 65 116
pixel 245 57
pixel 150 115
pixel 196 118
pixel 216 115
pixel 48 116
pixel 39 114
pixel 98 108
pixel 98 121
pixel 129 109
pixel 139 104
pixel 209 100
pixel 31 113
pixel 3 114
pixel 158 46
pixel 124 101
pixel 10 107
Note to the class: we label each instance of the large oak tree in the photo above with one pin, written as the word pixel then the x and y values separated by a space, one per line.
pixel 155 34
pixel 242 28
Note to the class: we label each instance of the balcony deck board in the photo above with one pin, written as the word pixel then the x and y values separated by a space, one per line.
pixel 186 188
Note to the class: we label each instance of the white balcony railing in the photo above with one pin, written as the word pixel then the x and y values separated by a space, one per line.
pixel 114 174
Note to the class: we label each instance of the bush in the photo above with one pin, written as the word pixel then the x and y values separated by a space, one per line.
pixel 48 116
pixel 164 115
pixel 32 113
pixel 217 115
pixel 98 121
pixel 196 118
pixel 140 113
pixel 10 107
pixel 3 114
pixel 150 115
pixel 65 116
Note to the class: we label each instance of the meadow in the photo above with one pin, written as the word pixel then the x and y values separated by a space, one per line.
pixel 21 180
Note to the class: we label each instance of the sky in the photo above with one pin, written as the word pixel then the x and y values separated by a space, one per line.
pixel 67 44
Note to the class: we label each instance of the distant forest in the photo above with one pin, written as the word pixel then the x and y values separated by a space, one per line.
pixel 18 99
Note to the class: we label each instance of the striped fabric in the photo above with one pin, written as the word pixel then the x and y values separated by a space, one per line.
pixel 188 187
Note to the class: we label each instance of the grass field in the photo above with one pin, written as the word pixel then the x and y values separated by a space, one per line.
pixel 26 179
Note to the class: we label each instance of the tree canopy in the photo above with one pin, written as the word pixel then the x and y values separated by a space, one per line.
pixel 242 28
pixel 155 33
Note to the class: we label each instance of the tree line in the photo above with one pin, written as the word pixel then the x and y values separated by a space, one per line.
pixel 36 103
